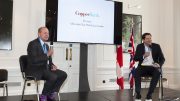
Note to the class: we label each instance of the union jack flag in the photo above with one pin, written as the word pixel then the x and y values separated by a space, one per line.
pixel 131 51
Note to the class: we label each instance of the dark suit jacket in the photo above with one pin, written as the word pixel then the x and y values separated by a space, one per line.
pixel 37 60
pixel 157 54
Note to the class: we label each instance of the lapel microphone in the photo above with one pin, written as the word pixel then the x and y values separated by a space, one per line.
pixel 150 46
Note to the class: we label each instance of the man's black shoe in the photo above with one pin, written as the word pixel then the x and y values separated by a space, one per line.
pixel 138 97
pixel 148 98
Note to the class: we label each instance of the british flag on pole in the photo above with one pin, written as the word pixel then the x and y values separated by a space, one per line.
pixel 120 79
pixel 131 51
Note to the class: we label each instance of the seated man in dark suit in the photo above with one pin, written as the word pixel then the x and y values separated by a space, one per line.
pixel 150 58
pixel 40 65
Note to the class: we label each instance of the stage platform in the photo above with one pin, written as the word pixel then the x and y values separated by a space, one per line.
pixel 107 95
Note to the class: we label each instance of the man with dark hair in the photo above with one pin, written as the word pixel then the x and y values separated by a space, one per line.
pixel 40 65
pixel 150 58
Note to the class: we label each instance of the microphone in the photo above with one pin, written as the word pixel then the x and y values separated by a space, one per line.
pixel 51 48
pixel 51 44
pixel 50 57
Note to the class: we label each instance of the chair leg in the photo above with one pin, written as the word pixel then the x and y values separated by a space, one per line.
pixel 37 89
pixel 160 88
pixel 6 89
pixel 23 90
pixel 133 90
pixel 162 92
pixel 4 85
pixel 59 96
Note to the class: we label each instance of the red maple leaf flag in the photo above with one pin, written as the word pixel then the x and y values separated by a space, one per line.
pixel 120 79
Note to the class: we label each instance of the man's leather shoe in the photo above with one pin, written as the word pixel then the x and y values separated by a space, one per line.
pixel 52 96
pixel 148 98
pixel 43 98
pixel 138 97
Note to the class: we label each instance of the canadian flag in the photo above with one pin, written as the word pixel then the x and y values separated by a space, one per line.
pixel 120 79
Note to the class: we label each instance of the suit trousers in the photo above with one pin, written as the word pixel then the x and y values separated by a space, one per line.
pixel 53 81
pixel 146 71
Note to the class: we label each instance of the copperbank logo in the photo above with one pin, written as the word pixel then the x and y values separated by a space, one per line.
pixel 85 14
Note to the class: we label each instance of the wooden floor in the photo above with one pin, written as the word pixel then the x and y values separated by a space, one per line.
pixel 108 95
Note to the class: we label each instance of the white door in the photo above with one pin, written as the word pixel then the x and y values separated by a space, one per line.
pixel 66 57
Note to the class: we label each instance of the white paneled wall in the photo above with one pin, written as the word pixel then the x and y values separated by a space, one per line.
pixel 176 33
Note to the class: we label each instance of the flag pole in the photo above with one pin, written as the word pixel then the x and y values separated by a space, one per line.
pixel 131 51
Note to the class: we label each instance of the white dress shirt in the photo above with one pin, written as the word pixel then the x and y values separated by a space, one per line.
pixel 148 61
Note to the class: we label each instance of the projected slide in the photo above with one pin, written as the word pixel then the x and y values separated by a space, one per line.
pixel 87 21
